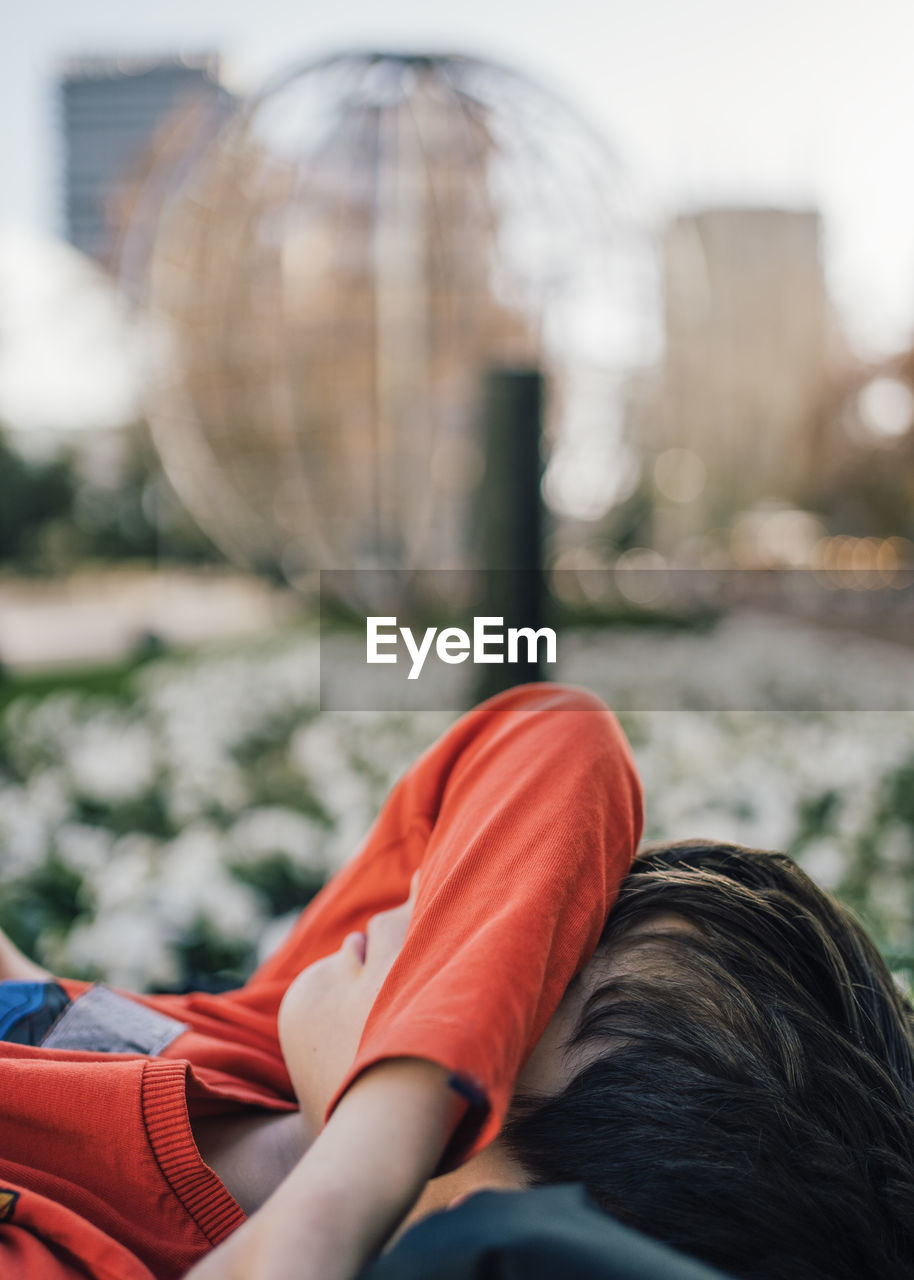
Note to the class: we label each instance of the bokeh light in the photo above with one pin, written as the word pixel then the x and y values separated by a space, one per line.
pixel 886 407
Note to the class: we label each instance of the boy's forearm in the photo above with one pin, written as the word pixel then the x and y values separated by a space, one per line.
pixel 360 1177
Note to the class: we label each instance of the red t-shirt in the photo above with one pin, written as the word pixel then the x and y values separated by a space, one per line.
pixel 524 817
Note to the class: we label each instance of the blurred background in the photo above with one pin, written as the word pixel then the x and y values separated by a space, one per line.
pixel 620 300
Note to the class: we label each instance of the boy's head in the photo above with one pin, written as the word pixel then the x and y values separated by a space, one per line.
pixel 737 1076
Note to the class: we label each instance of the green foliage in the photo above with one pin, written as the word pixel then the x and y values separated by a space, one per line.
pixel 138 517
pixel 898 794
pixel 45 903
pixel 31 495
pixel 282 884
pixel 264 755
pixel 816 816
pixel 209 961
pixel 147 812
pixel 113 682
pixel 54 515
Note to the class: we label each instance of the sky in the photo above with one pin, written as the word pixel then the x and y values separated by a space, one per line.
pixel 791 103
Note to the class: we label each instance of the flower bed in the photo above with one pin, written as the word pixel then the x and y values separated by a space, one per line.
pixel 167 838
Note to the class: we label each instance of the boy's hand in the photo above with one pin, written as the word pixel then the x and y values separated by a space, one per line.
pixel 358 1180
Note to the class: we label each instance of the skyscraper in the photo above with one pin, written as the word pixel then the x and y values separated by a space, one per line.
pixel 112 109
pixel 751 344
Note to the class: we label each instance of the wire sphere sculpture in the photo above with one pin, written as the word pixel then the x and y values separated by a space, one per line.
pixel 328 272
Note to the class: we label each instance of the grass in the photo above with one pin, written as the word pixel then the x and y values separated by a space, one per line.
pixel 113 681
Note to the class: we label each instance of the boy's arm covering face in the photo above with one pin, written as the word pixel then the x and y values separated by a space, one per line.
pixel 524 818
pixel 522 822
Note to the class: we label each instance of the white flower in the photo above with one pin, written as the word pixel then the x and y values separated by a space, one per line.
pixel 826 862
pixel 812 713
pixel 29 818
pixel 128 947
pixel 896 846
pixel 266 830
pixel 111 759
pixel 125 882
pixel 86 849
pixel 193 882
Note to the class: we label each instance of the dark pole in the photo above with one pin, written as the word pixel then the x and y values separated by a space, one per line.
pixel 510 519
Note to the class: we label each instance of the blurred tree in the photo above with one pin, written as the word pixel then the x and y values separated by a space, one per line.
pixel 55 514
pixel 31 495
pixel 133 513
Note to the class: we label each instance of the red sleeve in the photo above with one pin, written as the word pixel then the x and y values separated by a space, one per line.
pixel 99 1165
pixel 40 1238
pixel 525 817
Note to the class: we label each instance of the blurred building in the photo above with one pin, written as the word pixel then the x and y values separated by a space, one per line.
pixel 734 417
pixel 112 109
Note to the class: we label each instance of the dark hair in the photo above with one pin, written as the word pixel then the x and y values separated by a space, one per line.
pixel 747 1087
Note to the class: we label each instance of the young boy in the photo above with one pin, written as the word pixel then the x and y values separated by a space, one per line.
pixel 732 1073
pixel 138 1132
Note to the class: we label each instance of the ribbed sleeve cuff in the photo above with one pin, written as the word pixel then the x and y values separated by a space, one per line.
pixel 199 1189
